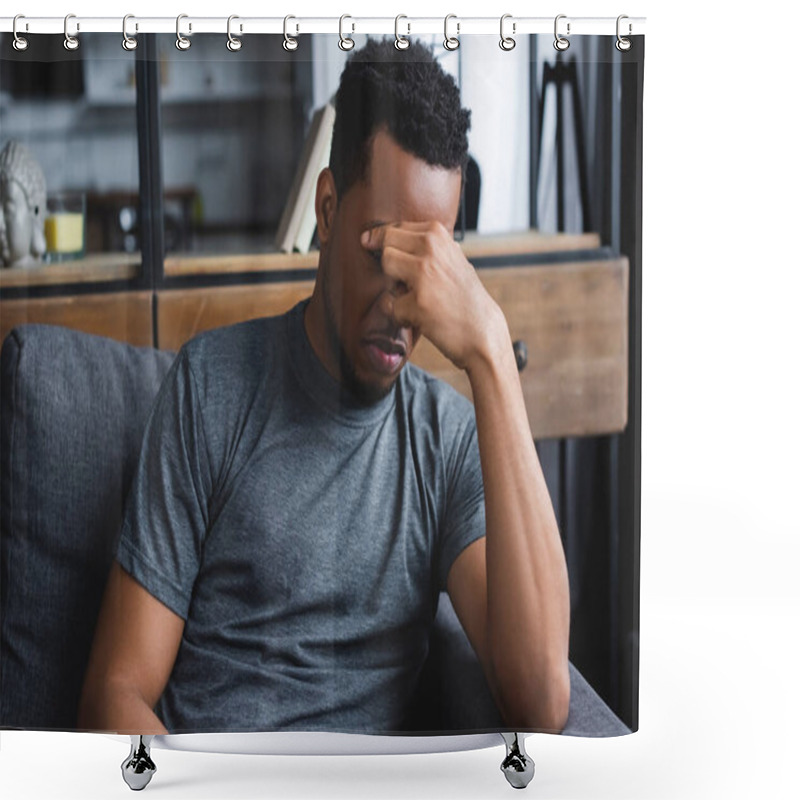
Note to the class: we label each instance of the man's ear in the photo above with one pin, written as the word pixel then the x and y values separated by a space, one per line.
pixel 325 204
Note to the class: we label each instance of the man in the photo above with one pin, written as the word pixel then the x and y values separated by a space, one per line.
pixel 303 495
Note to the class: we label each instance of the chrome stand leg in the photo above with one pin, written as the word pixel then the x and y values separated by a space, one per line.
pixel 138 768
pixel 517 766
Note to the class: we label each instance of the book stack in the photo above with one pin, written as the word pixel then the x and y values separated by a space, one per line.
pixel 299 221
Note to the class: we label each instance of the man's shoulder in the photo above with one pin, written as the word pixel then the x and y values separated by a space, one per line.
pixel 425 393
pixel 240 337
pixel 233 355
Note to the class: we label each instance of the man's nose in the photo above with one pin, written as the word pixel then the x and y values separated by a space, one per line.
pixel 386 304
pixel 392 289
pixel 393 286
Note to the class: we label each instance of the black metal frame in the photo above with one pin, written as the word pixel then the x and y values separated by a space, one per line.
pixel 564 74
pixel 630 442
pixel 602 474
pixel 151 182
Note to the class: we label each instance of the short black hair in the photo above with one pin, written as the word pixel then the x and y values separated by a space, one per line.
pixel 408 94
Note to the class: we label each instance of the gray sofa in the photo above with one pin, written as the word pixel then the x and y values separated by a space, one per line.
pixel 72 413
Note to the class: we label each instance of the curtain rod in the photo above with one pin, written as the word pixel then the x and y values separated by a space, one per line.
pixel 297 25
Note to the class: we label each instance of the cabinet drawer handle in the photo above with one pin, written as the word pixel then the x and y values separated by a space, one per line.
pixel 521 354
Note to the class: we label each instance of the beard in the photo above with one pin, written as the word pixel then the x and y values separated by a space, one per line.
pixel 366 393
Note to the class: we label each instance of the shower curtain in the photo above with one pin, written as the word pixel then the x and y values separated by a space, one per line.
pixel 218 468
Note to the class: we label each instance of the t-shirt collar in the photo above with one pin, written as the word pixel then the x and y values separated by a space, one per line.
pixel 324 389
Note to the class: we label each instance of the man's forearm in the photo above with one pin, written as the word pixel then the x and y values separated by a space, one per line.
pixel 120 709
pixel 527 624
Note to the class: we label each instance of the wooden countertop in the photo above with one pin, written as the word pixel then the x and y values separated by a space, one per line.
pixel 101 267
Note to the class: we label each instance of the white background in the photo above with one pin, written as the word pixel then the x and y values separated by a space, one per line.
pixel 720 605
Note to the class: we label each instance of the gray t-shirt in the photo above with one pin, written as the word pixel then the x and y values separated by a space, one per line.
pixel 303 537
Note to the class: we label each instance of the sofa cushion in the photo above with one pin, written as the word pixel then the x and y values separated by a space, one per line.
pixel 72 415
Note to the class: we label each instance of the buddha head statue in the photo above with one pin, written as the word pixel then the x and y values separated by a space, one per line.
pixel 23 200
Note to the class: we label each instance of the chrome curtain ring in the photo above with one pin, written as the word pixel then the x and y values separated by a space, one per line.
pixel 560 43
pixel 182 43
pixel 623 44
pixel 345 42
pixel 401 42
pixel 289 42
pixel 451 42
pixel 233 44
pixel 20 43
pixel 71 43
pixel 507 42
pixel 128 42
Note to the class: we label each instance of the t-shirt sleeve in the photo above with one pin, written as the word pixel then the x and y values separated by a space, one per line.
pixel 166 512
pixel 465 517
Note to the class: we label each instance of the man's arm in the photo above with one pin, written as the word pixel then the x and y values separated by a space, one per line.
pixel 135 645
pixel 510 591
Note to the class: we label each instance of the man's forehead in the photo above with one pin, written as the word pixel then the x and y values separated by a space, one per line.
pixel 399 185
pixel 413 209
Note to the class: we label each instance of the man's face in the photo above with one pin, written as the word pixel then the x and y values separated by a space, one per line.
pixel 365 349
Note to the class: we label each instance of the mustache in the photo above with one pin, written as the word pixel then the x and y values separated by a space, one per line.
pixel 397 346
pixel 392 334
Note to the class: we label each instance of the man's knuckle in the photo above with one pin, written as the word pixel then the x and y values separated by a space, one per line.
pixel 428 267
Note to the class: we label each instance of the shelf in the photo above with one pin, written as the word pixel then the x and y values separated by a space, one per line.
pixel 104 267
pixel 474 246
pixel 95 268
pixel 182 265
pixel 519 243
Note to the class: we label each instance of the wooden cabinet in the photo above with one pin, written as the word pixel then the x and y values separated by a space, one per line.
pixel 125 316
pixel 572 320
pixel 183 313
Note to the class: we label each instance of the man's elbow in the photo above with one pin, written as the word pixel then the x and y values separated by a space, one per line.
pixel 541 709
pixel 89 707
pixel 98 698
pixel 102 703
